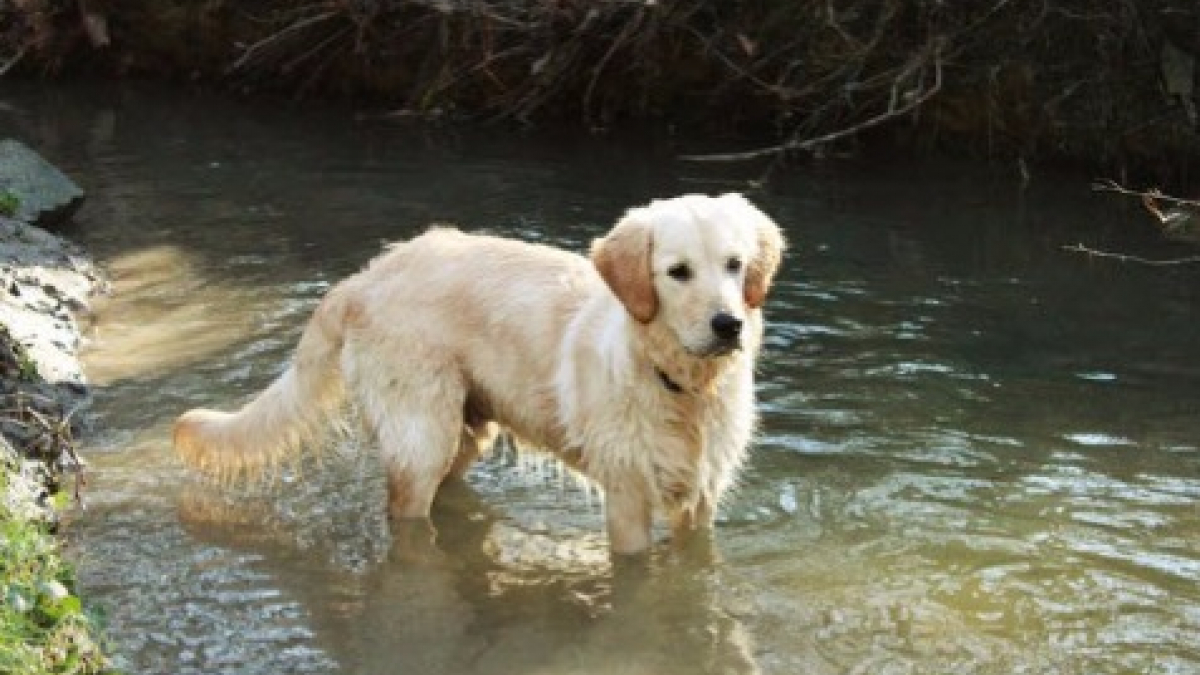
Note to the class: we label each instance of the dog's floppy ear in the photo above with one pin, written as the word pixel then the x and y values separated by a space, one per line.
pixel 623 259
pixel 760 270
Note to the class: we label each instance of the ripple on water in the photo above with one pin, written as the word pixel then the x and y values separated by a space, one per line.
pixel 189 609
pixel 1095 439
pixel 1097 376
pixel 978 571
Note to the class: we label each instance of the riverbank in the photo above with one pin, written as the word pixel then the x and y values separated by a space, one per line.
pixel 44 282
pixel 1111 87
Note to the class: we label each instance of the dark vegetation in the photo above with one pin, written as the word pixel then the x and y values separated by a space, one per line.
pixel 1106 84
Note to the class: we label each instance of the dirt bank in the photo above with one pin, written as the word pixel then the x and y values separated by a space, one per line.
pixel 1109 84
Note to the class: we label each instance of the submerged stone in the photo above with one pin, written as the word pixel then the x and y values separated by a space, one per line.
pixel 33 189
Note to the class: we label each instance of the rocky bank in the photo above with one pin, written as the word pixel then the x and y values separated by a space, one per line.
pixel 45 284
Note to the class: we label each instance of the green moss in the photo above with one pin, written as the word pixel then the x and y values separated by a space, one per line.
pixel 9 204
pixel 27 369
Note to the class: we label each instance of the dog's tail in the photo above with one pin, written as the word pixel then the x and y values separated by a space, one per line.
pixel 278 422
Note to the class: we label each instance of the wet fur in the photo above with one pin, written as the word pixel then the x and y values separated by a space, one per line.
pixel 448 338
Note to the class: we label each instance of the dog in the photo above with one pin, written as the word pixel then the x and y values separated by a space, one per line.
pixel 635 368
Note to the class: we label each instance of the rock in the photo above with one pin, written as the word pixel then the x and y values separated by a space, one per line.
pixel 46 281
pixel 44 196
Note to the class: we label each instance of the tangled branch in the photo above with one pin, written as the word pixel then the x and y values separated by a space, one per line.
pixel 914 99
pixel 1069 78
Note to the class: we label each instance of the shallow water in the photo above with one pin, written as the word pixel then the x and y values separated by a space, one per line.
pixel 979 451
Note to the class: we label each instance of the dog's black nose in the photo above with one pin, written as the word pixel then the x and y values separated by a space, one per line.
pixel 726 326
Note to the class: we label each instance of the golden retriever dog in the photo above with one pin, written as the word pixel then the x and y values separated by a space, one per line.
pixel 635 368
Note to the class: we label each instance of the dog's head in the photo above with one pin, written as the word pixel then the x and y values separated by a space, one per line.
pixel 698 264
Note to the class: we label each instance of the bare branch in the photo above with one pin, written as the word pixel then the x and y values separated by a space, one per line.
pixel 8 65
pixel 249 54
pixel 1115 187
pixel 626 32
pixel 1121 257
pixel 796 145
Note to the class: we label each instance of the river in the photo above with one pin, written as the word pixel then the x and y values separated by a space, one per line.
pixel 980 452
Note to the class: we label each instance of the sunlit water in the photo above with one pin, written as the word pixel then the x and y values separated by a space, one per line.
pixel 979 451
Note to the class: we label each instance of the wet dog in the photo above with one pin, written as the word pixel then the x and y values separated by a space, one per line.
pixel 635 367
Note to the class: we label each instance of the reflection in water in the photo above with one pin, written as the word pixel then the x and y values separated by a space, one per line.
pixel 484 596
pixel 979 454
pixel 157 316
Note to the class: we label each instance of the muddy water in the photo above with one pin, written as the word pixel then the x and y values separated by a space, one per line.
pixel 979 452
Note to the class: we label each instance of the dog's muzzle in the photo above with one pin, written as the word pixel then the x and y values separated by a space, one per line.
pixel 727 329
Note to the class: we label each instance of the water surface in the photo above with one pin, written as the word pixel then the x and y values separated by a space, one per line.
pixel 979 452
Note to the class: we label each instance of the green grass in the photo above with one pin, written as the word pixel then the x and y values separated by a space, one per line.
pixel 43 626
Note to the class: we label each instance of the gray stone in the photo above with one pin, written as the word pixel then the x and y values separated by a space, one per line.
pixel 41 277
pixel 46 197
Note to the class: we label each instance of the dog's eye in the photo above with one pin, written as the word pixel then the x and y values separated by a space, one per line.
pixel 680 272
pixel 734 265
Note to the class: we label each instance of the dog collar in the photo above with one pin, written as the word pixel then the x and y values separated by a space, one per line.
pixel 671 385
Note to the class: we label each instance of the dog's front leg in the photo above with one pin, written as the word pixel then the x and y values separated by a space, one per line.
pixel 689 520
pixel 627 513
pixel 692 532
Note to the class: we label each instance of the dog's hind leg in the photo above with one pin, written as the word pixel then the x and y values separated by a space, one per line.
pixel 419 442
pixel 416 413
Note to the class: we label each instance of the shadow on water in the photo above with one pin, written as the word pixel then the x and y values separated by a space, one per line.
pixel 978 454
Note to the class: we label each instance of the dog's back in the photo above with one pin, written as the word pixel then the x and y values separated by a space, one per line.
pixel 500 307
pixel 485 313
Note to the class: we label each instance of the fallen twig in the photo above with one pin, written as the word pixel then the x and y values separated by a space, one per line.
pixel 8 65
pixel 1123 257
pixel 1153 193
